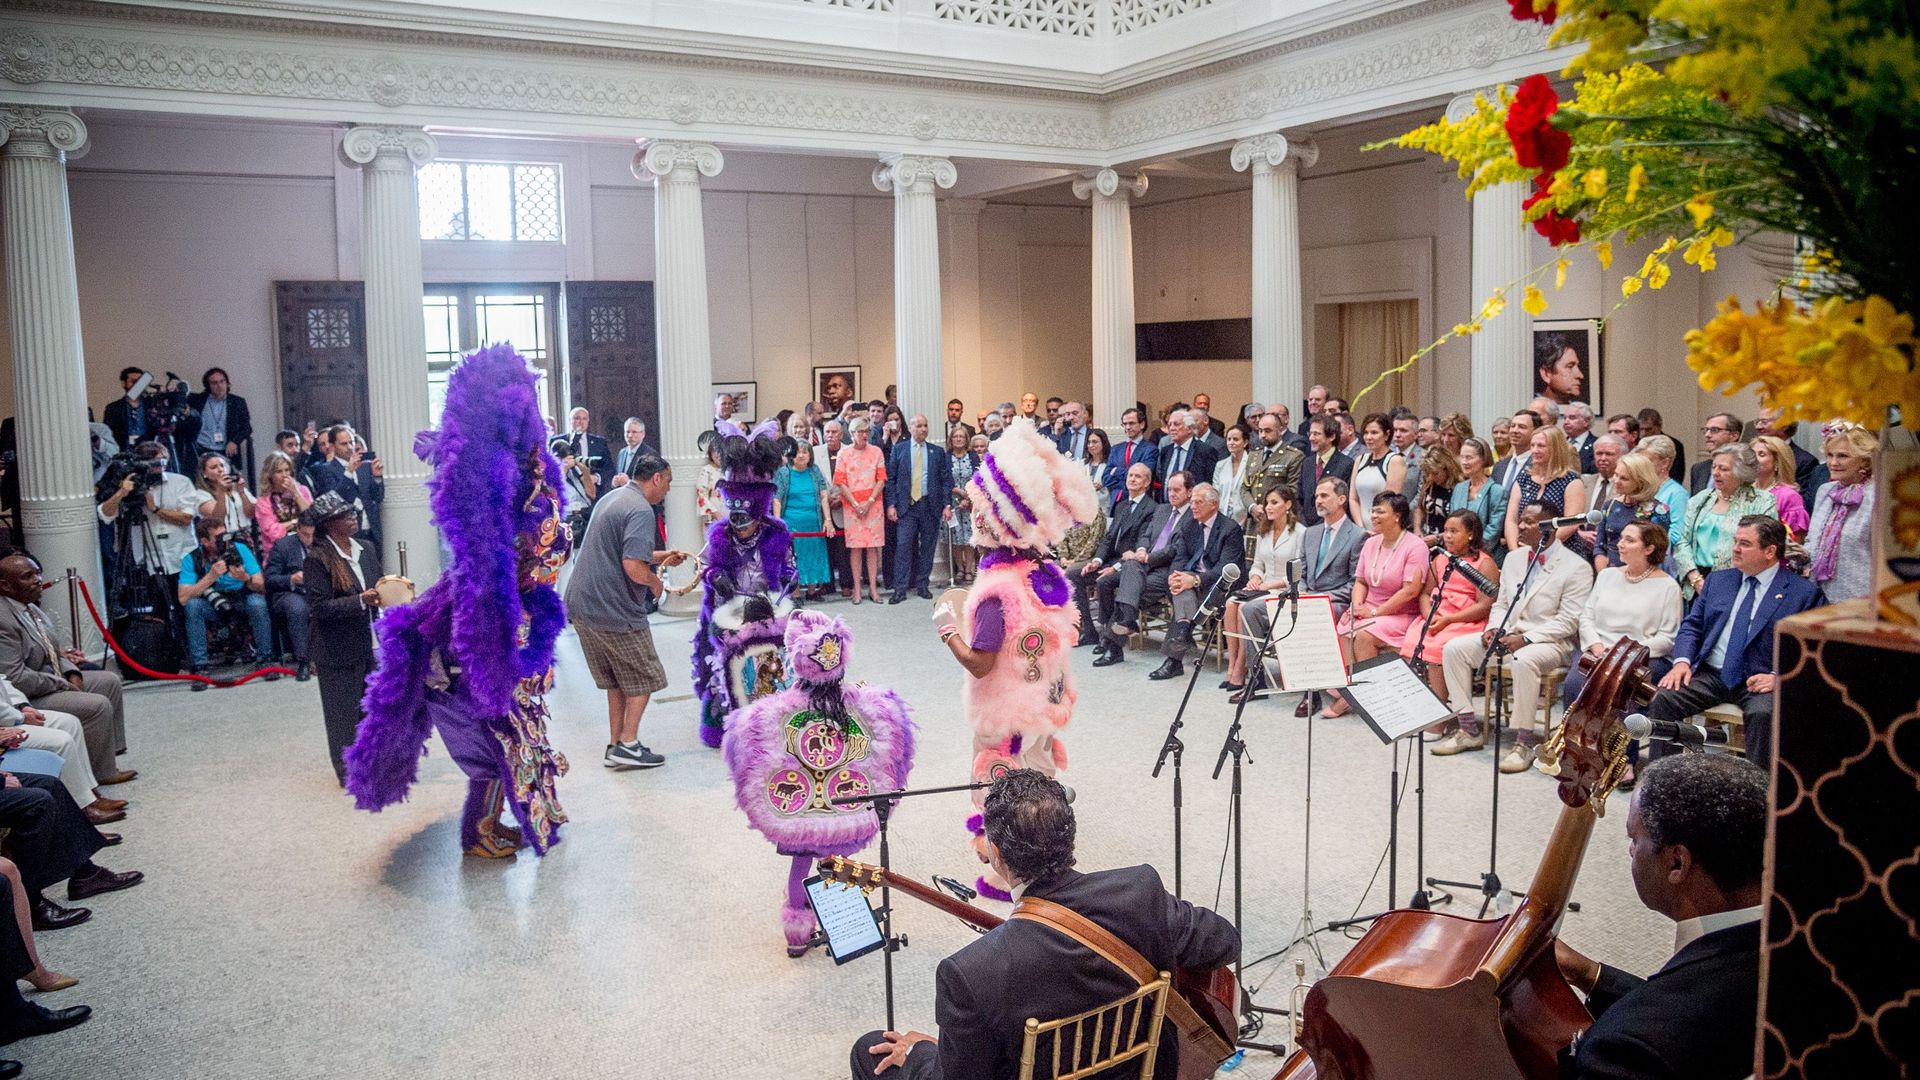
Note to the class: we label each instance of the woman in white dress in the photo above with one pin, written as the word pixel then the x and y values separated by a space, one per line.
pixel 1277 534
pixel 1380 468
pixel 1229 474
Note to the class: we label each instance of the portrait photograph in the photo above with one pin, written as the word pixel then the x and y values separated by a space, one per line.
pixel 1566 361
pixel 744 395
pixel 835 385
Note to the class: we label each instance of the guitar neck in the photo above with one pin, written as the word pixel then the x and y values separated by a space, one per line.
pixel 959 909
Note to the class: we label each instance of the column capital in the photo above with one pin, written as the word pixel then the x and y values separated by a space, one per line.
pixel 660 159
pixel 901 173
pixel 1463 105
pixel 24 128
pixel 1272 151
pixel 364 145
pixel 1110 183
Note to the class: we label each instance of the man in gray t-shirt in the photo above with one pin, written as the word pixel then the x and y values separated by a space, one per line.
pixel 613 587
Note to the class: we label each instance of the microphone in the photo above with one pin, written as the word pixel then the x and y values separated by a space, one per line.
pixel 1069 792
pixel 1690 735
pixel 963 892
pixel 1465 569
pixel 1216 597
pixel 1293 588
pixel 1591 517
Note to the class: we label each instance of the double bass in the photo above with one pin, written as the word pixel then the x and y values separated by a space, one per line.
pixel 1425 994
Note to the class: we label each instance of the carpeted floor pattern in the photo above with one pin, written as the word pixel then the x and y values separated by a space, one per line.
pixel 281 933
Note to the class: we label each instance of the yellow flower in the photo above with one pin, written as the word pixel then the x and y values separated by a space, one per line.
pixel 1657 277
pixel 1701 207
pixel 1847 359
pixel 1665 246
pixel 1560 274
pixel 1533 300
pixel 1595 183
pixel 1561 185
pixel 1603 251
pixel 1495 304
pixel 1630 285
pixel 1466 329
pixel 1653 260
pixel 1636 182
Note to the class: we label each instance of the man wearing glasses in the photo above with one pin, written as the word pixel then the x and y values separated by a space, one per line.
pixel 1721 429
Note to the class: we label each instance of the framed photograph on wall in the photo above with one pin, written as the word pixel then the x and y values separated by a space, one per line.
pixel 745 400
pixel 1566 361
pixel 836 384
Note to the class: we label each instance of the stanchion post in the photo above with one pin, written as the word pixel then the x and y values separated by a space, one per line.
pixel 73 604
pixel 401 548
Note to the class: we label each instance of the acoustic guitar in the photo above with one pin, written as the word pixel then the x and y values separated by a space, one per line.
pixel 1204 1006
pixel 1430 994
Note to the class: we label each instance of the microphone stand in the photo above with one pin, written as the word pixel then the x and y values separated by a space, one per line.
pixel 882 802
pixel 1421 898
pixel 1489 885
pixel 1175 749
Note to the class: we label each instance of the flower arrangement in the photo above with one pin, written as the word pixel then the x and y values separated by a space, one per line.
pixel 1704 121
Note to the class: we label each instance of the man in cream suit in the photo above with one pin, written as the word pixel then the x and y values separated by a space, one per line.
pixel 1329 556
pixel 1540 636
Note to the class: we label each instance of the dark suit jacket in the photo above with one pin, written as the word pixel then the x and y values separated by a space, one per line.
pixel 1131 527
pixel 288 557
pixel 624 456
pixel 239 418
pixel 1063 442
pixel 1507 468
pixel 1790 595
pixel 1297 441
pixel 596 449
pixel 937 486
pixel 984 993
pixel 1143 451
pixel 948 427
pixel 1163 558
pixel 1693 1020
pixel 1334 576
pixel 1678 471
pixel 1340 466
pixel 1226 545
pixel 114 415
pixel 341 636
pixel 1700 476
pixel 1201 459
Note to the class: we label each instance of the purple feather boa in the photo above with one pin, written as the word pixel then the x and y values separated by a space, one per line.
pixel 726 570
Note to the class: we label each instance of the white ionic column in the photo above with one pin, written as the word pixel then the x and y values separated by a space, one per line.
pixel 1113 356
pixel 49 375
pixel 1502 373
pixel 1279 341
pixel 916 278
pixel 396 336
pixel 680 307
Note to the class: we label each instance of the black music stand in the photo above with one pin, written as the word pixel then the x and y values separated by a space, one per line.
pixel 1397 711
pixel 882 802
pixel 1174 748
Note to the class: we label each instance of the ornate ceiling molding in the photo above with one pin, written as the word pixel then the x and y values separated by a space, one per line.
pixel 109 56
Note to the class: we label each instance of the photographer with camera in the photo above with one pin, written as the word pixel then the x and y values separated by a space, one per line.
pixel 583 486
pixel 224 496
pixel 353 472
pixel 215 575
pixel 152 511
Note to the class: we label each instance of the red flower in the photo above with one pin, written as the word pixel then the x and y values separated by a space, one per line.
pixel 1557 229
pixel 1537 144
pixel 1523 11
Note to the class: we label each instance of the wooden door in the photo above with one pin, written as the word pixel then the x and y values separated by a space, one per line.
pixel 611 355
pixel 323 352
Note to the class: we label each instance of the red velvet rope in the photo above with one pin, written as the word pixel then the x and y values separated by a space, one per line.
pixel 87 595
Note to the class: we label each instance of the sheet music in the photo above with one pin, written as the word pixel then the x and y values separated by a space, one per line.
pixel 1309 657
pixel 849 922
pixel 1392 699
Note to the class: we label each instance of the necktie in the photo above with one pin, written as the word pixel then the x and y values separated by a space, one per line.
pixel 1166 532
pixel 1179 460
pixel 1733 670
pixel 1326 544
pixel 919 470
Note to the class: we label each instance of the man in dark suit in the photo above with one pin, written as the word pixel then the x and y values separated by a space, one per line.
pixel 1323 461
pixel 1207 543
pixel 124 416
pixel 1329 559
pixel 634 435
pixel 1131 525
pixel 286 591
pixel 1721 429
pixel 1135 448
pixel 221 423
pixel 1072 437
pixel 1519 448
pixel 345 469
pixel 1696 832
pixel 589 449
pixel 984 993
pixel 1316 404
pixel 1724 651
pixel 1651 424
pixel 1141 574
pixel 955 410
pixel 1183 452
pixel 919 482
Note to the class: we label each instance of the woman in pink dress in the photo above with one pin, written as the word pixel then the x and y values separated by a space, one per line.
pixel 860 472
pixel 1776 475
pixel 281 500
pixel 1386 590
pixel 1462 606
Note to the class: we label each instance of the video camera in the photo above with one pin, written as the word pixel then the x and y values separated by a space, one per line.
pixel 165 403
pixel 146 473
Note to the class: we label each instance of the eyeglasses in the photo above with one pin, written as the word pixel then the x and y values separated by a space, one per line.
pixel 1711 429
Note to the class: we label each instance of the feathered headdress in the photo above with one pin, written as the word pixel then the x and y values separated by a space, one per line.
pixel 1026 493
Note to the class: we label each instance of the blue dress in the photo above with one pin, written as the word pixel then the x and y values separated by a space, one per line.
pixel 800 509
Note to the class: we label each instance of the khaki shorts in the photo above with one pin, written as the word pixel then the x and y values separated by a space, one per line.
pixel 622 660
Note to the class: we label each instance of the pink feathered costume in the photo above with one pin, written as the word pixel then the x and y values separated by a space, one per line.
pixel 1024 497
pixel 792 751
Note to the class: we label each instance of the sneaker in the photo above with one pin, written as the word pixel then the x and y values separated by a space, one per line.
pixel 1517 759
pixel 199 684
pixel 1459 742
pixel 633 755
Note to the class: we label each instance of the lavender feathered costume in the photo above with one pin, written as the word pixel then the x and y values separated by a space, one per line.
pixel 793 751
pixel 749 573
pixel 473 655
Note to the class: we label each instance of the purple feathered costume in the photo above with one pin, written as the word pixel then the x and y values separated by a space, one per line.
pixel 473 655
pixel 792 752
pixel 749 573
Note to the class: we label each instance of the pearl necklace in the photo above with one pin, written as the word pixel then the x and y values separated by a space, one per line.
pixel 1644 575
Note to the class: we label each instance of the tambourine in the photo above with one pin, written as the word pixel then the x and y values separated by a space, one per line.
pixel 690 569
pixel 394 590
